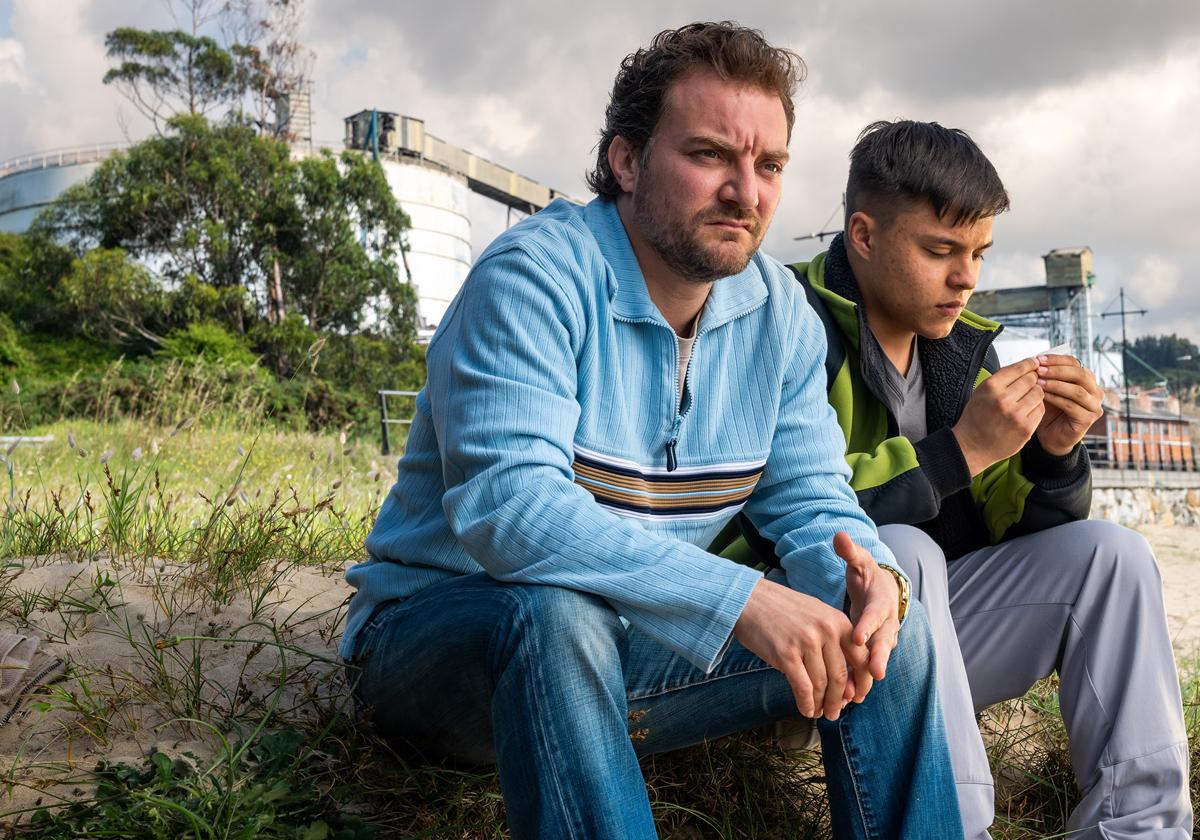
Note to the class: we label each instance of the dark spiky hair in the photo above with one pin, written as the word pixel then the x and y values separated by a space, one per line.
pixel 897 164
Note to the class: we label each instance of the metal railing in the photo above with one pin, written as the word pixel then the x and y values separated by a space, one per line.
pixel 69 156
pixel 385 420
pixel 10 442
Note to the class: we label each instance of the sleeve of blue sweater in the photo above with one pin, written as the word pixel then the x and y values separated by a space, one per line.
pixel 804 497
pixel 506 415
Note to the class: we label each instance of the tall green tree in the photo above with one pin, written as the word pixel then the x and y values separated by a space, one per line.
pixel 1175 358
pixel 1165 351
pixel 339 249
pixel 223 206
pixel 231 60
pixel 166 72
pixel 200 201
pixel 263 37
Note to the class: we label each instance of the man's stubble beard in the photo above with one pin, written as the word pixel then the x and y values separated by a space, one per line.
pixel 678 244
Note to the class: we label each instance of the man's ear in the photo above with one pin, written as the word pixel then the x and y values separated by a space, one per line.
pixel 624 162
pixel 860 234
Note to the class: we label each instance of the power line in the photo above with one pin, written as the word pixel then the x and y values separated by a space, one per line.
pixel 825 231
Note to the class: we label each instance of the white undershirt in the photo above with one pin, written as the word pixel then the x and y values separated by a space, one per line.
pixel 685 356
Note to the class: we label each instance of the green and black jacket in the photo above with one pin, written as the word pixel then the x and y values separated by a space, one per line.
pixel 927 483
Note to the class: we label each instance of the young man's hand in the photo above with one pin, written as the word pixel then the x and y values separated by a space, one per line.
pixel 808 641
pixel 1073 402
pixel 1001 415
pixel 874 610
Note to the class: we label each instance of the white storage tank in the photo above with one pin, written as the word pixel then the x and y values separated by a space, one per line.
pixel 439 239
pixel 432 190
pixel 430 178
pixel 28 184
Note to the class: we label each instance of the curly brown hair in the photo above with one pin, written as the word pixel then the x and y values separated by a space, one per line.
pixel 733 52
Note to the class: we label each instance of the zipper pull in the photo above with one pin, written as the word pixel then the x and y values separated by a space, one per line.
pixel 672 461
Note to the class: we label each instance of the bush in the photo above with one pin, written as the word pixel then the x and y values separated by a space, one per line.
pixel 194 301
pixel 12 354
pixel 165 390
pixel 366 363
pixel 30 269
pixel 286 346
pixel 206 340
pixel 114 299
pixel 50 357
pixel 306 380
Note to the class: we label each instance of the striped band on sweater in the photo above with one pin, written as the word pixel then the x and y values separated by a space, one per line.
pixel 642 492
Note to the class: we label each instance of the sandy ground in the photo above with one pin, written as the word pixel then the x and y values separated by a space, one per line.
pixel 134 683
pixel 150 653
pixel 1178 552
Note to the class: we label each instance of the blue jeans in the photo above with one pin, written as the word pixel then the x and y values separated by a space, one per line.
pixel 548 684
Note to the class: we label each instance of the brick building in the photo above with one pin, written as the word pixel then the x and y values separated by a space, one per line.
pixel 1161 439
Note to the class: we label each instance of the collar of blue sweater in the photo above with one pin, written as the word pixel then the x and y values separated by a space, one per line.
pixel 730 297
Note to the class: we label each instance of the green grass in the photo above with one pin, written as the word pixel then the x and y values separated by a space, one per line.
pixel 177 492
pixel 180 539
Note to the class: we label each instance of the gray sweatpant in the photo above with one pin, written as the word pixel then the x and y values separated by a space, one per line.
pixel 1083 600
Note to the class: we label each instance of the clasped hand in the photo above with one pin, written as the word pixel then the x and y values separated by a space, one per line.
pixel 829 658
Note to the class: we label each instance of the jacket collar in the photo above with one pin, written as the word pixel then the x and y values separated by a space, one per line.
pixel 730 297
pixel 950 365
pixel 838 287
pixel 839 276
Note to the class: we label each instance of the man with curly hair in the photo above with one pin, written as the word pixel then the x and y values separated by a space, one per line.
pixel 611 386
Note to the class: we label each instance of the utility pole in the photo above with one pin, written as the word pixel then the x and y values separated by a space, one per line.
pixel 1184 427
pixel 821 234
pixel 1125 369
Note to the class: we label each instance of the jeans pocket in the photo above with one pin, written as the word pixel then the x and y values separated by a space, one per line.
pixel 368 637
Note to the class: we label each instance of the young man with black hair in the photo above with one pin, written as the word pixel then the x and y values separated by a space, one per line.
pixel 612 384
pixel 987 463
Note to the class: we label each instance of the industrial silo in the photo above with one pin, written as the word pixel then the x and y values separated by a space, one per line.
pixel 28 184
pixel 433 194
pixel 430 178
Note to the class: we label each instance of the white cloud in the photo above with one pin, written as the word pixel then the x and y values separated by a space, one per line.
pixel 64 102
pixel 1092 130
pixel 1155 282
pixel 12 64
pixel 1105 154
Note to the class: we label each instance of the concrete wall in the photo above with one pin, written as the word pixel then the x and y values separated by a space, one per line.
pixel 1133 497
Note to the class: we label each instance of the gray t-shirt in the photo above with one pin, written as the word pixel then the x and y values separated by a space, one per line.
pixel 906 397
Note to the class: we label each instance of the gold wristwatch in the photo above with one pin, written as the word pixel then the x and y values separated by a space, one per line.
pixel 905 589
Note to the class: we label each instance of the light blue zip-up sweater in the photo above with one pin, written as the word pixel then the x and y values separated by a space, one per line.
pixel 549 447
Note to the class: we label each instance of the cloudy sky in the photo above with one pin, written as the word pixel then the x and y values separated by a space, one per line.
pixel 1090 109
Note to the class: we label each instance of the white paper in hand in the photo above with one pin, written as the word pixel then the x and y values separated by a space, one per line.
pixel 1057 350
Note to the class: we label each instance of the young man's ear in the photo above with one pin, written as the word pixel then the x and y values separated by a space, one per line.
pixel 625 163
pixel 861 230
